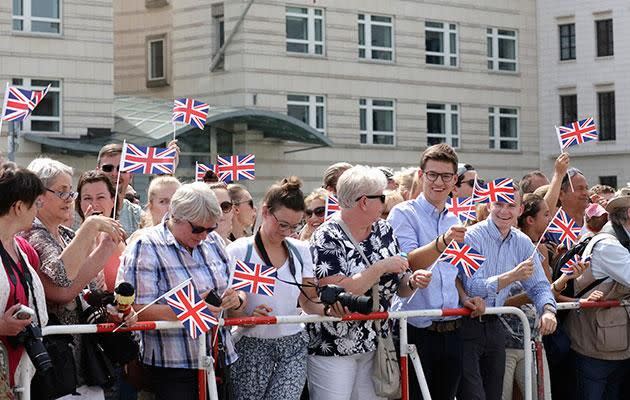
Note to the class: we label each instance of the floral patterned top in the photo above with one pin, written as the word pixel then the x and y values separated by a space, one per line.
pixel 333 254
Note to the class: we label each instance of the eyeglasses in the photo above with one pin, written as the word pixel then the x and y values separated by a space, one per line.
pixel 250 202
pixel 226 206
pixel 318 211
pixel 283 226
pixel 373 196
pixel 64 195
pixel 200 229
pixel 445 176
pixel 109 168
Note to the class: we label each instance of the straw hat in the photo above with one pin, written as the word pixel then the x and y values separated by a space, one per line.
pixel 621 199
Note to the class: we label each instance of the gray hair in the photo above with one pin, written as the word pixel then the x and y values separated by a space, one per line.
pixel 195 202
pixel 47 169
pixel 619 216
pixel 359 181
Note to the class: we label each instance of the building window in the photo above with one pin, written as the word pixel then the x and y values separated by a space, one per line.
pixel 606 107
pixel 604 29
pixel 502 49
pixel 503 128
pixel 46 117
pixel 156 53
pixel 568 109
pixel 376 121
pixel 309 109
pixel 567 42
pixel 443 124
pixel 37 16
pixel 440 43
pixel 376 37
pixel 610 180
pixel 305 30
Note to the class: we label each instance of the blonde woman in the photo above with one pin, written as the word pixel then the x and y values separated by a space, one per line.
pixel 160 192
pixel 314 213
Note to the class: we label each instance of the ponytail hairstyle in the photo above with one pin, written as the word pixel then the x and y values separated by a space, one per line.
pixel 286 193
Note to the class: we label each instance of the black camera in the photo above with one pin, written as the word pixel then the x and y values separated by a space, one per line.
pixel 31 339
pixel 213 298
pixel 330 294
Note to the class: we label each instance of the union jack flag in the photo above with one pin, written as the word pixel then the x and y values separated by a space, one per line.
pixel 568 268
pixel 464 257
pixel 236 168
pixel 462 207
pixel 563 229
pixel 254 278
pixel 37 96
pixel 577 133
pixel 190 112
pixel 191 310
pixel 18 104
pixel 498 190
pixel 148 160
pixel 201 170
pixel 332 206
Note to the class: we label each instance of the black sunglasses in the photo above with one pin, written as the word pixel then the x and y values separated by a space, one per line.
pixel 318 211
pixel 373 196
pixel 200 229
pixel 109 168
pixel 250 202
pixel 226 206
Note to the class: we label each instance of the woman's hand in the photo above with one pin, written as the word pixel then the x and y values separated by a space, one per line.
pixel 579 268
pixel 230 300
pixel 262 310
pixel 11 326
pixel 392 265
pixel 595 295
pixel 109 226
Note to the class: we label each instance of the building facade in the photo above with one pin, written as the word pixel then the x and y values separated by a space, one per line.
pixel 583 72
pixel 69 45
pixel 382 80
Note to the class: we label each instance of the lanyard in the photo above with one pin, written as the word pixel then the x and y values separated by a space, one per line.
pixel 24 275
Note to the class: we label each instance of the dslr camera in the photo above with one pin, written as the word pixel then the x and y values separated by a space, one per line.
pixel 330 294
pixel 31 339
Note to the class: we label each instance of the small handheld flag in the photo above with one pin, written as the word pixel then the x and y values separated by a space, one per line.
pixel 236 168
pixel 577 133
pixel 332 206
pixel 464 257
pixel 191 310
pixel 17 105
pixel 147 160
pixel 462 207
pixel 201 169
pixel 499 190
pixel 569 267
pixel 191 112
pixel 563 229
pixel 254 278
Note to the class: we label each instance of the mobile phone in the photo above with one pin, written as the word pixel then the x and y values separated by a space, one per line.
pixel 24 312
pixel 213 298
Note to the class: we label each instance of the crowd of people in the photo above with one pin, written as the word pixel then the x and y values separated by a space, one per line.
pixel 62 246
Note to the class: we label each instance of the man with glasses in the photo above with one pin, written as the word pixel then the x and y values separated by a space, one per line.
pixel 417 223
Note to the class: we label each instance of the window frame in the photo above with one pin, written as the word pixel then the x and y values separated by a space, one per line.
pixel 26 124
pixel 600 119
pixel 572 34
pixel 496 137
pixel 312 105
pixel 563 112
pixel 163 80
pixel 445 31
pixel 448 113
pixel 311 43
pixel 611 45
pixel 369 133
pixel 367 47
pixel 27 19
pixel 494 36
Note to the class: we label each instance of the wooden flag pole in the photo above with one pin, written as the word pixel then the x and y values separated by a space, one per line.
pixel 543 234
pixel 120 164
pixel 562 150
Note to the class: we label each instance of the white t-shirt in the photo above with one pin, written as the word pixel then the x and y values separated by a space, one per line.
pixel 285 296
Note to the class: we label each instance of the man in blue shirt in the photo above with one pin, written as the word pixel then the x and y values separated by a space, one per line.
pixel 510 257
pixel 416 223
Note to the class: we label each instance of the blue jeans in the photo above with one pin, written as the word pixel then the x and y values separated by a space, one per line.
pixel 600 379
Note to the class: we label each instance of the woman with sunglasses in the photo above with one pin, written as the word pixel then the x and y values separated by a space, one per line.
pixel 183 246
pixel 69 261
pixel 244 214
pixel 272 358
pixel 227 210
pixel 315 212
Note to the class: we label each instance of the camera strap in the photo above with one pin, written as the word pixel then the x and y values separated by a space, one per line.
pixel 14 273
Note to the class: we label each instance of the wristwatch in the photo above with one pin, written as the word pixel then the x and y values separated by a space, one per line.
pixel 550 308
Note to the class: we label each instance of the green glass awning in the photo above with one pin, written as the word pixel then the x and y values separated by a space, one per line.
pixel 147 121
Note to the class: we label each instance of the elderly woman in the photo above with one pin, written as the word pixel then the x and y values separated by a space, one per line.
pixel 182 246
pixel 272 358
pixel 244 214
pixel 315 212
pixel 21 191
pixel 69 261
pixel 341 354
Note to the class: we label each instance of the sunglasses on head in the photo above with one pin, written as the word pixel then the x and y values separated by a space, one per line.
pixel 226 206
pixel 318 211
pixel 200 229
pixel 109 168
pixel 373 196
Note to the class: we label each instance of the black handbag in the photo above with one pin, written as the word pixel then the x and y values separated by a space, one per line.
pixel 98 369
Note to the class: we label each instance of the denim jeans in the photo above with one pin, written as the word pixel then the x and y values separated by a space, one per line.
pixel 600 379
